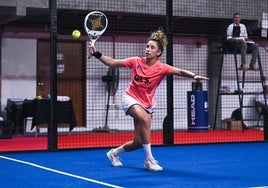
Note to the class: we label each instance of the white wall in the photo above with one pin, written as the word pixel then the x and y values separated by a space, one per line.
pixel 18 69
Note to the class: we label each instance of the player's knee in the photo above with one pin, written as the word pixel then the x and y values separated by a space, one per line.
pixel 143 118
pixel 146 119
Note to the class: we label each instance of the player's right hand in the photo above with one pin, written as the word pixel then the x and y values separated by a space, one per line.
pixel 92 49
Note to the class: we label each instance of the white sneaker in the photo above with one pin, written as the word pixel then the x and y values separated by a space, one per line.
pixel 114 158
pixel 152 165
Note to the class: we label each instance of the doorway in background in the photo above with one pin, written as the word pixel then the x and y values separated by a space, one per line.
pixel 70 74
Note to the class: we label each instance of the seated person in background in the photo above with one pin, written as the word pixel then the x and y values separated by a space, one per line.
pixel 238 37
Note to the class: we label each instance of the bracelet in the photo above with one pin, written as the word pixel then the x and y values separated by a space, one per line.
pixel 193 76
pixel 97 54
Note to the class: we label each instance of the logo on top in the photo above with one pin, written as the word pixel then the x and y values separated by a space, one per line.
pixel 138 67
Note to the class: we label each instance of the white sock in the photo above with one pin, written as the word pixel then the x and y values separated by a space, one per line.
pixel 118 150
pixel 148 151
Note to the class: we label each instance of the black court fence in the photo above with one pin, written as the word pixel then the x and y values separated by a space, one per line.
pixel 54 97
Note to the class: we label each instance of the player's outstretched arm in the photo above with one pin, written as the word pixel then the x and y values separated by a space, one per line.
pixel 186 73
pixel 105 59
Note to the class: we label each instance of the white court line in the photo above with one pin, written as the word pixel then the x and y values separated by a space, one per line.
pixel 60 172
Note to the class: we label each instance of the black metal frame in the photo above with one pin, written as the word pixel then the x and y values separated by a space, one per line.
pixel 225 50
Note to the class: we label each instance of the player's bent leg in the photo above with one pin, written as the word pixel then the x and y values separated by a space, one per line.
pixel 142 122
pixel 132 145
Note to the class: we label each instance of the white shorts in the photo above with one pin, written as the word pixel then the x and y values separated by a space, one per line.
pixel 128 102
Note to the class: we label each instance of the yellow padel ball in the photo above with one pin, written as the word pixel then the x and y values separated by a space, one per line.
pixel 76 34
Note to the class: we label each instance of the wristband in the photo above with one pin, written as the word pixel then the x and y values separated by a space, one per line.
pixel 193 76
pixel 97 54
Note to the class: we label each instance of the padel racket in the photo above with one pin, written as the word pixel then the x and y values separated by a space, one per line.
pixel 95 24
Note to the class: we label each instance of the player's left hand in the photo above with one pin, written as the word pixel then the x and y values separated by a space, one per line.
pixel 198 78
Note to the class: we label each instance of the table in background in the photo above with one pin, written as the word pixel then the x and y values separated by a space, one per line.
pixel 18 110
pixel 65 112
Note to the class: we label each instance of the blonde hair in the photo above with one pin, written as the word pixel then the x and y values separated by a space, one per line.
pixel 160 37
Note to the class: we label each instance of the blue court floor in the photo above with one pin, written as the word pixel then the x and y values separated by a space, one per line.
pixel 207 165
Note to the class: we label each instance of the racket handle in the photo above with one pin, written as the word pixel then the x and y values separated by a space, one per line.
pixel 92 43
pixel 89 56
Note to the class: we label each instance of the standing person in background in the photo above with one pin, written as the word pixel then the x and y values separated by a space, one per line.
pixel 237 36
pixel 138 99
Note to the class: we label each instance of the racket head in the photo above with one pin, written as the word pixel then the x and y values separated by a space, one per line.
pixel 95 24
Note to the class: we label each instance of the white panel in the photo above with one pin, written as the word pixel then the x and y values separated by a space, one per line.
pixel 18 69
